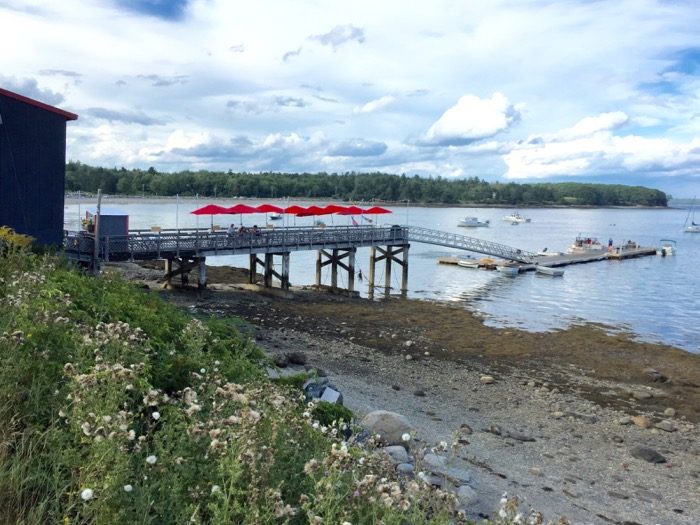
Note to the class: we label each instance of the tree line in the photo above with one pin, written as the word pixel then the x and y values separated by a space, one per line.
pixel 353 186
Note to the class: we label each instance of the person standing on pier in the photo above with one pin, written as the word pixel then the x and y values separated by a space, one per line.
pixel 610 244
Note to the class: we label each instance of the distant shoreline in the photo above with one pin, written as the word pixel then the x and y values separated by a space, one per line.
pixel 70 198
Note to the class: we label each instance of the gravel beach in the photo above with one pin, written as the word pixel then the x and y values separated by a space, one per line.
pixel 584 423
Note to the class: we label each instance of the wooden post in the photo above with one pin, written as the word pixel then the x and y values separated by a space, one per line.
pixel 202 273
pixel 351 269
pixel 334 269
pixel 404 272
pixel 268 270
pixel 387 272
pixel 252 271
pixel 372 263
pixel 318 267
pixel 285 271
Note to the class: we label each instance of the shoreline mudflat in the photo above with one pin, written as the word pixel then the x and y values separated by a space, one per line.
pixel 564 420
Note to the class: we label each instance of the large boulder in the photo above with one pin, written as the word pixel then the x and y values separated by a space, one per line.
pixel 390 426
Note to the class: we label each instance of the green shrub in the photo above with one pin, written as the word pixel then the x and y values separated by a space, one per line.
pixel 326 413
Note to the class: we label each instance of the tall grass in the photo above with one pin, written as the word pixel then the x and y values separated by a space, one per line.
pixel 118 408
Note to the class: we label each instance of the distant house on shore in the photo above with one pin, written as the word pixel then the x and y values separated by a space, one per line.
pixel 32 166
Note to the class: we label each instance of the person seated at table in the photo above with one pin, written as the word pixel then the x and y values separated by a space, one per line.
pixel 256 230
pixel 231 231
pixel 242 230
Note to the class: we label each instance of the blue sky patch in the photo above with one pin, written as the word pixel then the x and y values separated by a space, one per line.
pixel 165 9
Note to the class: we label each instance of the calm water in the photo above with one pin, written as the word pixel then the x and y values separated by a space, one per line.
pixel 654 298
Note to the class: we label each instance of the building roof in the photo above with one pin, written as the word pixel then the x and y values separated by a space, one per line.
pixel 65 114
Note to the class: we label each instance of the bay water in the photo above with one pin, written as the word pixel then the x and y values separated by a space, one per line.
pixel 655 298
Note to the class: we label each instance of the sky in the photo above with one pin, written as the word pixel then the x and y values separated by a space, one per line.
pixel 603 91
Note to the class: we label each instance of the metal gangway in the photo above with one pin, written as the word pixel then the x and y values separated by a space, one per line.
pixel 472 244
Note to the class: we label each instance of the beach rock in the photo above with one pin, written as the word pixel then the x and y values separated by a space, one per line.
pixel 666 426
pixel 655 375
pixel 297 358
pixel 281 360
pixel 647 454
pixel 397 454
pixel 534 471
pixel 408 344
pixel 419 393
pixel 466 496
pixel 625 420
pixel 408 357
pixel 313 388
pixel 487 380
pixel 439 465
pixel 641 395
pixel 331 395
pixel 405 469
pixel 641 421
pixel 670 412
pixel 389 425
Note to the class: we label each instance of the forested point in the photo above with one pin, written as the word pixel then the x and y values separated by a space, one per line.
pixel 354 187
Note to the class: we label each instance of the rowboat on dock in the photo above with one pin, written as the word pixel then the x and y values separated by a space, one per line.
pixel 548 270
pixel 511 270
pixel 468 263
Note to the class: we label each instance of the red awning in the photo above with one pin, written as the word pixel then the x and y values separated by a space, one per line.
pixel 295 210
pixel 334 208
pixel 314 210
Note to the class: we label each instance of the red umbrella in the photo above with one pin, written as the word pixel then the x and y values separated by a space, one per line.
pixel 334 208
pixel 210 209
pixel 352 210
pixel 241 208
pixel 376 210
pixel 265 208
pixel 294 210
pixel 314 210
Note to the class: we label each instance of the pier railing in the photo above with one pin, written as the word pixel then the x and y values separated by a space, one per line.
pixel 146 244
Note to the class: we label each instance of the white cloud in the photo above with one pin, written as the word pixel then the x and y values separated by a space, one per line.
pixel 608 86
pixel 473 118
pixel 375 105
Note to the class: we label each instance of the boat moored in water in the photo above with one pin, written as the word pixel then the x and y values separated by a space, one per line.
pixel 586 245
pixel 516 218
pixel 510 270
pixel 473 222
pixel 668 247
pixel 548 270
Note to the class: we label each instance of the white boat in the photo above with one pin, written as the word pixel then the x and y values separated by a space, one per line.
pixel 546 253
pixel 472 222
pixel 668 247
pixel 516 218
pixel 548 270
pixel 467 263
pixel 508 270
pixel 690 225
pixel 586 245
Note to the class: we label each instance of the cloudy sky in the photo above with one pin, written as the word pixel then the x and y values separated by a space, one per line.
pixel 508 90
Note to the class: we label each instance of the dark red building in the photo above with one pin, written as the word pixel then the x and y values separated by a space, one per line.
pixel 32 166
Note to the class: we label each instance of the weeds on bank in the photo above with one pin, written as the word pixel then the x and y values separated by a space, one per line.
pixel 118 408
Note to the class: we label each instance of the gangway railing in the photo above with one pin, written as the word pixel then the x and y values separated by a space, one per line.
pixel 472 244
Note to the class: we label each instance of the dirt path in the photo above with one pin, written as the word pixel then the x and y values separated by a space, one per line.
pixel 555 427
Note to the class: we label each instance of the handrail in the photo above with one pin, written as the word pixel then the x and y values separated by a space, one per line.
pixel 146 244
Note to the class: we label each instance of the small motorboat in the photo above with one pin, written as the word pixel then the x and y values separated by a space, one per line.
pixel 509 270
pixel 586 245
pixel 548 270
pixel 668 247
pixel 275 216
pixel 516 218
pixel 473 222
pixel 468 263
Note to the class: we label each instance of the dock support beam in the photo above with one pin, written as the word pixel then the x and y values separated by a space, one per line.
pixel 269 269
pixel 182 266
pixel 397 254
pixel 336 258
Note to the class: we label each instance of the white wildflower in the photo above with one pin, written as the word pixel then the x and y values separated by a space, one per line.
pixel 203 371
pixel 406 437
pixel 156 415
pixel 128 488
pixel 151 460
pixel 86 494
pixel 215 489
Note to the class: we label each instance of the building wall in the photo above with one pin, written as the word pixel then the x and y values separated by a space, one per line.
pixel 32 170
